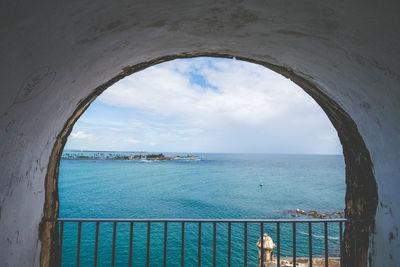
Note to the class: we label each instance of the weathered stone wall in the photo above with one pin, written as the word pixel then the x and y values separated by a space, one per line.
pixel 54 54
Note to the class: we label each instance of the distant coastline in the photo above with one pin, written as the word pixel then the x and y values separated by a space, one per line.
pixel 152 157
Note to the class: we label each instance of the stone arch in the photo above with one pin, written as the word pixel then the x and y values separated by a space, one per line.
pixel 54 54
pixel 361 191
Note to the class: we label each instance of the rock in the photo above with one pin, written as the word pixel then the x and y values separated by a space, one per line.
pixel 285 263
pixel 301 211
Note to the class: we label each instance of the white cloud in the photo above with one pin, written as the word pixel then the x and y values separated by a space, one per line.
pixel 133 141
pixel 246 93
pixel 209 105
pixel 80 135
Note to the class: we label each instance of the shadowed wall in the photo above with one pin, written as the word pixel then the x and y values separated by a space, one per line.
pixel 56 57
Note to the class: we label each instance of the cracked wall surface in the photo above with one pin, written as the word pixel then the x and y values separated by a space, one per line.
pixel 54 54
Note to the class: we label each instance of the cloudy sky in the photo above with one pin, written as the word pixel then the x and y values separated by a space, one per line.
pixel 205 105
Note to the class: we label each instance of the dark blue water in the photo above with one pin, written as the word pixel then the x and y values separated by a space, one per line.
pixel 216 186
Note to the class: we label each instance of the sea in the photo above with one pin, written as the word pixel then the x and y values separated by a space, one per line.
pixel 212 186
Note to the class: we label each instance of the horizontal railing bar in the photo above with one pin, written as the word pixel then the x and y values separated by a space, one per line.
pixel 208 220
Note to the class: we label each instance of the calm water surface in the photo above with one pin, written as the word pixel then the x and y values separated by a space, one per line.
pixel 215 186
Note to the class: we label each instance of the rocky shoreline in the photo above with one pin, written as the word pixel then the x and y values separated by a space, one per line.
pixel 303 262
pixel 317 214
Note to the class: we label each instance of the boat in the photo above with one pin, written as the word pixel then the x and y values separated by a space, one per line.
pixel 261 183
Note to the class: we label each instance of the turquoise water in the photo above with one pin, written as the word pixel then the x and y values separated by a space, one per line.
pixel 216 186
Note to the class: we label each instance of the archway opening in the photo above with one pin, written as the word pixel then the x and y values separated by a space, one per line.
pixel 358 166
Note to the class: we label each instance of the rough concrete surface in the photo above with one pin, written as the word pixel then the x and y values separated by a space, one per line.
pixel 54 55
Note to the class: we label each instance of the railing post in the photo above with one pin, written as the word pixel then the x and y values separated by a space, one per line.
pixel 130 244
pixel 294 244
pixel 199 248
pixel 262 244
pixel 341 243
pixel 326 244
pixel 278 237
pixel 78 249
pixel 148 245
pixel 183 245
pixel 214 243
pixel 245 244
pixel 165 243
pixel 113 244
pixel 96 244
pixel 229 244
pixel 310 244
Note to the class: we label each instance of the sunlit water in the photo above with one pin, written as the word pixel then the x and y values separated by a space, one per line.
pixel 216 186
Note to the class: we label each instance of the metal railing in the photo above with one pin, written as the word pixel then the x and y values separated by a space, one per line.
pixel 277 223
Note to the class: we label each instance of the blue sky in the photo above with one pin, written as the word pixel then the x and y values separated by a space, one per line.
pixel 205 105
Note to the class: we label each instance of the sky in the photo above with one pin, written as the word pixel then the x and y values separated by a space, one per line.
pixel 205 105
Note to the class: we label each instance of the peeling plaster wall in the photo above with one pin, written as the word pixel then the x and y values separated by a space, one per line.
pixel 53 54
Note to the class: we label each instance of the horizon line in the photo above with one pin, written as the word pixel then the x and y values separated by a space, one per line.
pixel 144 151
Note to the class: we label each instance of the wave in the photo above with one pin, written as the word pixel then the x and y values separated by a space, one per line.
pixel 146 160
pixel 318 236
